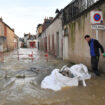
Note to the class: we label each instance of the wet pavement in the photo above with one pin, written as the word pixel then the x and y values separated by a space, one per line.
pixel 20 80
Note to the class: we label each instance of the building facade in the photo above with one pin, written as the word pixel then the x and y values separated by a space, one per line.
pixel 51 39
pixel 76 26
pixel 16 41
pixel 30 41
pixel 64 37
pixel 10 39
pixel 3 42
pixel 7 35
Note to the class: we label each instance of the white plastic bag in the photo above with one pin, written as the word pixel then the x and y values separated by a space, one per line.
pixel 81 71
pixel 56 81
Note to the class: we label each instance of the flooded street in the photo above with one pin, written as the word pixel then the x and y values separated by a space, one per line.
pixel 20 79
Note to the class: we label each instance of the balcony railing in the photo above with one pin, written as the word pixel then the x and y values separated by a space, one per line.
pixel 76 7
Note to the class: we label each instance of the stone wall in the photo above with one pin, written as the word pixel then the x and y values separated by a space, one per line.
pixel 10 39
pixel 54 46
pixel 78 50
pixel 3 44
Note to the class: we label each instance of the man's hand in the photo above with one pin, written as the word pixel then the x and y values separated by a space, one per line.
pixel 102 54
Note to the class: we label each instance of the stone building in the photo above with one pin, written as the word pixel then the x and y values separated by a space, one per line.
pixel 51 39
pixel 21 43
pixel 26 36
pixel 30 41
pixel 3 42
pixel 64 37
pixel 16 41
pixel 76 26
pixel 42 43
pixel 8 33
pixel 10 39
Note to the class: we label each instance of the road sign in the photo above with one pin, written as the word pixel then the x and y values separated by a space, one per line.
pixel 98 27
pixel 96 17
pixel 97 21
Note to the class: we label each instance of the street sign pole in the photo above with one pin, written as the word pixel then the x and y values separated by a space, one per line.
pixel 97 28
pixel 97 34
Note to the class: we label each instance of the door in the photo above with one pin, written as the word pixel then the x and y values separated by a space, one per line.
pixel 49 42
pixel 45 44
pixel 1 46
pixel 57 42
pixel 32 44
pixel 53 49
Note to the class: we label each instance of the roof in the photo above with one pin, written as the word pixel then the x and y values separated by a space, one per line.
pixel 61 11
pixel 6 24
pixel 16 36
pixel 39 25
pixel 69 4
pixel 32 37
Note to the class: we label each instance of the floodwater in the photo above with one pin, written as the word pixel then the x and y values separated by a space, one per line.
pixel 20 79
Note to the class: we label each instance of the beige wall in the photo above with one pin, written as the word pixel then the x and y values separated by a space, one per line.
pixel 1 29
pixel 10 39
pixel 78 51
pixel 15 42
pixel 8 44
pixel 3 42
pixel 50 33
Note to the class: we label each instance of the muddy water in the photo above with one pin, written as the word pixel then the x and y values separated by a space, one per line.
pixel 20 83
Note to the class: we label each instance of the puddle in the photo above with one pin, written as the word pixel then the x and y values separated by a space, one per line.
pixel 20 83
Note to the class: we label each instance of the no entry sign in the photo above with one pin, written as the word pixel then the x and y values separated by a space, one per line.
pixel 96 17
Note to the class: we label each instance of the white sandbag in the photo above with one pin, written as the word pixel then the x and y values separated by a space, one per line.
pixel 56 81
pixel 81 71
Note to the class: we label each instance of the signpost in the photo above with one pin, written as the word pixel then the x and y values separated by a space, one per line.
pixel 98 27
pixel 97 21
pixel 96 17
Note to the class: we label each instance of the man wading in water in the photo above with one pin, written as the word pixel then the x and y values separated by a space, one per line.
pixel 94 52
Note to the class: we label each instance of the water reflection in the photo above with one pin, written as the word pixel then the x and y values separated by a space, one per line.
pixel 20 83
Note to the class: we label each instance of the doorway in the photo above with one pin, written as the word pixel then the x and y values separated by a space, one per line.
pixel 57 44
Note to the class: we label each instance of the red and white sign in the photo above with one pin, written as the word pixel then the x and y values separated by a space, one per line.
pixel 96 17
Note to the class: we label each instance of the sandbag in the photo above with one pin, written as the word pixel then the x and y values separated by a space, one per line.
pixel 81 71
pixel 56 81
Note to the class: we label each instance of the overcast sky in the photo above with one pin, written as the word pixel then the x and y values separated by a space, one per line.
pixel 24 15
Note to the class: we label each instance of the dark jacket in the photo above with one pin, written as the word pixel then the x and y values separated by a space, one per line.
pixel 94 47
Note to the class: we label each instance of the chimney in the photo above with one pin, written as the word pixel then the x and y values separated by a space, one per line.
pixel 1 19
pixel 45 19
pixel 50 18
pixel 13 29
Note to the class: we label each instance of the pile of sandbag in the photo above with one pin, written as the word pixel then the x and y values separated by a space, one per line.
pixel 66 77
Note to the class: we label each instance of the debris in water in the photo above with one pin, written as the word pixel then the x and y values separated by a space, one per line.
pixel 20 76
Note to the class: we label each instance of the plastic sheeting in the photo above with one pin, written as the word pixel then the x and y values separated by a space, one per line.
pixel 56 81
